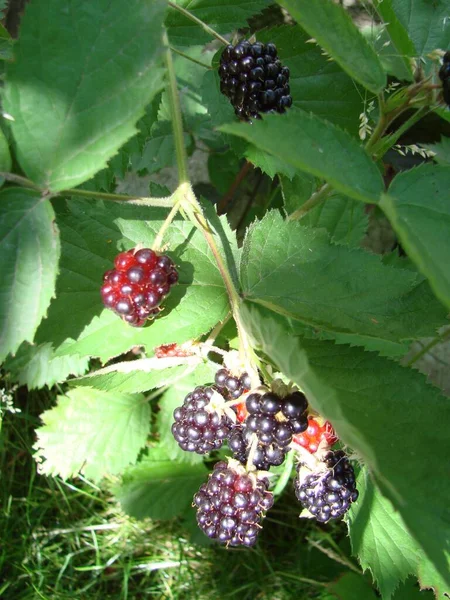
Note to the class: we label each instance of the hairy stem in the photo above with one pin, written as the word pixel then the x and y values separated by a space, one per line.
pixel 381 148
pixel 317 198
pixel 158 202
pixel 198 21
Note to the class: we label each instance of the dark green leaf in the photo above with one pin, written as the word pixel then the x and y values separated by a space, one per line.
pixel 80 96
pixel 418 207
pixel 29 246
pixel 309 144
pixel 334 30
pixel 5 156
pixel 387 413
pixel 441 150
pixel 351 586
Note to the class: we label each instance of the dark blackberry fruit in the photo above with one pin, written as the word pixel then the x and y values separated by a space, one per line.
pixel 198 427
pixel 230 386
pixel 328 493
pixel 444 74
pixel 232 504
pixel 254 80
pixel 264 455
pixel 138 284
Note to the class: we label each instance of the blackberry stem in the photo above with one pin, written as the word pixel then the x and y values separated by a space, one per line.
pixel 194 60
pixel 314 200
pixel 198 21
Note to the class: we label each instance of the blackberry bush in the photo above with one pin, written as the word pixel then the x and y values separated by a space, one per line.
pixel 138 284
pixel 328 492
pixel 198 427
pixel 232 504
pixel 254 80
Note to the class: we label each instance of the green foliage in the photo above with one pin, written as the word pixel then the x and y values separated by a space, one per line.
pixel 92 432
pixel 418 206
pixel 442 151
pixel 334 30
pixel 83 94
pixel 29 246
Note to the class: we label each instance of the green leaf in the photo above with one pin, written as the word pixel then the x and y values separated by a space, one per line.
pixel 418 207
pixel 313 75
pixel 37 366
pixel 382 542
pixel 309 144
pixel 334 30
pixel 394 62
pixel 401 42
pixel 92 432
pixel 5 156
pixel 159 488
pixel 222 17
pixel 426 23
pixel 91 238
pixel 159 150
pixel 441 150
pixel 80 96
pixel 351 586
pixel 363 394
pixel 139 375
pixel 29 246
pixel 334 288
pixel 344 219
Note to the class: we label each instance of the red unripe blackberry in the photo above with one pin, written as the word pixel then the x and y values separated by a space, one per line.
pixel 315 435
pixel 254 80
pixel 198 427
pixel 138 284
pixel 231 505
pixel 328 493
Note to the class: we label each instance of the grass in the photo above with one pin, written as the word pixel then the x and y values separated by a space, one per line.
pixel 62 540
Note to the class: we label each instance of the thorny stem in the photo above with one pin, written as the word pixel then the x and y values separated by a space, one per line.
pixel 206 27
pixel 187 57
pixel 317 198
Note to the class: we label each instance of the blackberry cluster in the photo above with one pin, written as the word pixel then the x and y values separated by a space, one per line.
pixel 254 79
pixel 197 429
pixel 231 505
pixel 230 386
pixel 274 421
pixel 137 285
pixel 328 494
pixel 444 74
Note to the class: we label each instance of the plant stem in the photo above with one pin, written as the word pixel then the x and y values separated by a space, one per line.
pixel 175 109
pixel 187 57
pixel 166 202
pixel 381 148
pixel 21 181
pixel 316 199
pixel 157 243
pixel 198 21
pixel 434 342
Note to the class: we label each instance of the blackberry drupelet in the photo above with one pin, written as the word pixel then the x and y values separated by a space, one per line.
pixel 137 285
pixel 198 427
pixel 231 505
pixel 444 74
pixel 254 80
pixel 273 420
pixel 328 493
pixel 231 386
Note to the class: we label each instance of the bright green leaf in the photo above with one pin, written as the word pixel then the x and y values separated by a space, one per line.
pixel 418 207
pixel 298 272
pixel 309 144
pixel 363 394
pixel 77 99
pixel 401 42
pixel 29 246
pixel 159 488
pixel 92 432
pixel 334 30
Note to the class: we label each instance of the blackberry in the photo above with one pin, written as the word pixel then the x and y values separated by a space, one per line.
pixel 137 285
pixel 231 386
pixel 328 493
pixel 198 427
pixel 231 505
pixel 274 421
pixel 444 74
pixel 254 80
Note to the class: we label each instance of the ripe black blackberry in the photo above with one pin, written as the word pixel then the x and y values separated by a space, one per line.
pixel 137 285
pixel 328 493
pixel 273 420
pixel 444 74
pixel 198 426
pixel 231 386
pixel 231 505
pixel 254 79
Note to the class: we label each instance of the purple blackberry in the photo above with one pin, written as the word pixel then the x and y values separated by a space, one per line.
pixel 254 80
pixel 230 386
pixel 328 493
pixel 274 421
pixel 444 74
pixel 231 505
pixel 198 427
